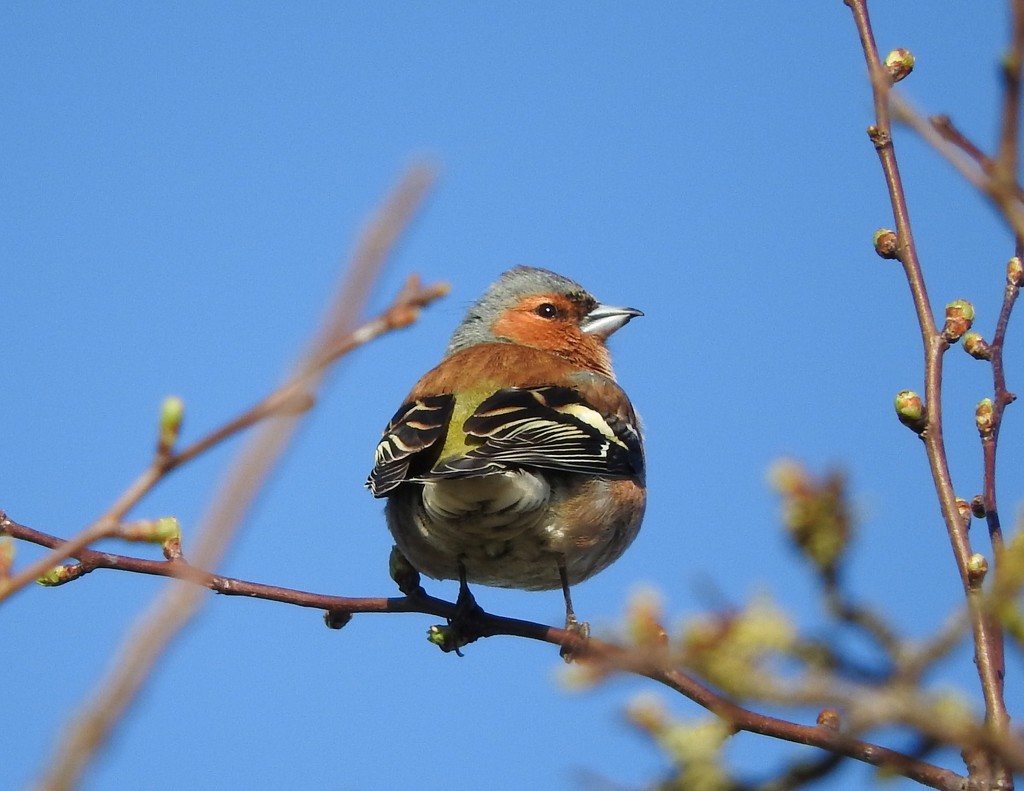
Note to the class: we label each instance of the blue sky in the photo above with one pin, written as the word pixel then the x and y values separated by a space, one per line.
pixel 178 184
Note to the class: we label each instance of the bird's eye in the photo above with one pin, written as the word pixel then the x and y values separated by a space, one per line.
pixel 546 310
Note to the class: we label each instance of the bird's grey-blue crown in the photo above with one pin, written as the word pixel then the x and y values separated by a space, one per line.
pixel 506 291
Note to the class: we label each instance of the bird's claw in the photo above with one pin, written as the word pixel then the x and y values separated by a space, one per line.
pixel 463 628
pixel 579 634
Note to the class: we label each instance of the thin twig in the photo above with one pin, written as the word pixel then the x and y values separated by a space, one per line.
pixel 154 631
pixel 1003 398
pixel 1004 194
pixel 1004 177
pixel 101 528
pixel 914 661
pixel 871 623
pixel 289 399
pixel 802 773
pixel 1007 158
pixel 933 342
pixel 986 631
pixel 997 717
pixel 948 131
pixel 1004 170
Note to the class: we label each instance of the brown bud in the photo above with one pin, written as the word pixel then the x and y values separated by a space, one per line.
pixel 983 415
pixel 978 506
pixel 977 568
pixel 172 413
pixel 58 575
pixel 887 244
pixel 156 531
pixel 911 410
pixel 172 548
pixel 975 346
pixel 336 619
pixel 879 137
pixel 829 718
pixel 1015 272
pixel 959 318
pixel 899 63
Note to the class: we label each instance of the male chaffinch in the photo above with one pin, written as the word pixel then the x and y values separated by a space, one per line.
pixel 517 462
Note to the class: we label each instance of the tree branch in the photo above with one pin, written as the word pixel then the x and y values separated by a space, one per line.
pixel 154 631
pixel 601 655
pixel 987 632
pixel 288 400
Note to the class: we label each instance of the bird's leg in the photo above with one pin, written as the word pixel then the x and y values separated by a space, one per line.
pixel 571 624
pixel 466 607
pixel 404 574
pixel 464 625
pixel 580 629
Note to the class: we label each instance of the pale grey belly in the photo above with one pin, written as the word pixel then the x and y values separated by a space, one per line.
pixel 511 530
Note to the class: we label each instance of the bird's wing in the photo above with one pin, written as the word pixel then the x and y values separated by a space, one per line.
pixel 415 427
pixel 547 427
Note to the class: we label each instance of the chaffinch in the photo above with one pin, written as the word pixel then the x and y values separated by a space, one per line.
pixel 517 462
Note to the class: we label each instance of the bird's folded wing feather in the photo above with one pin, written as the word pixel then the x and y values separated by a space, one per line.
pixel 415 427
pixel 547 427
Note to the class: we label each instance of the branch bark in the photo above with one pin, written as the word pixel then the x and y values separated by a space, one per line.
pixel 986 630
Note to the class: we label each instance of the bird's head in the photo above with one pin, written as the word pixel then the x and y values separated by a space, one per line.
pixel 543 310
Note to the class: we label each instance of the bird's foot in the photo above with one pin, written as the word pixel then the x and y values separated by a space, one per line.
pixel 576 644
pixel 465 625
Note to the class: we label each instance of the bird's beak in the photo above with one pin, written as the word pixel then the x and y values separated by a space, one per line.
pixel 603 320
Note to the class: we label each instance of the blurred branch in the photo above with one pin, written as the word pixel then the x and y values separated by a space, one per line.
pixel 291 398
pixel 101 528
pixel 947 130
pixel 963 155
pixel 1002 188
pixel 156 628
pixel 742 719
pixel 801 774
pixel 1008 156
pixel 867 621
